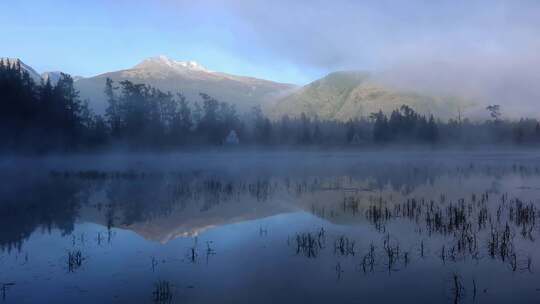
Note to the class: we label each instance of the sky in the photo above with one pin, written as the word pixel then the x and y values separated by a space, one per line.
pixel 483 48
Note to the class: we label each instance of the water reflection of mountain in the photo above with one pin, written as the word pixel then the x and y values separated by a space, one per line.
pixel 191 221
pixel 162 205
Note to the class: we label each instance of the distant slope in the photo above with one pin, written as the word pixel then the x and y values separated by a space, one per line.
pixel 346 95
pixel 190 78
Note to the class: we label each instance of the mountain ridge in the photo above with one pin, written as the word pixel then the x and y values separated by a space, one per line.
pixel 189 78
pixel 340 95
pixel 346 95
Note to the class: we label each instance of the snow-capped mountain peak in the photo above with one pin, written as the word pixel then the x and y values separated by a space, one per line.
pixel 164 61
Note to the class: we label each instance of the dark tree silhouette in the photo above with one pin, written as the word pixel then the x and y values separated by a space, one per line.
pixel 45 117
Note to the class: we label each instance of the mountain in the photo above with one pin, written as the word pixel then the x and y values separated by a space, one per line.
pixel 33 74
pixel 188 77
pixel 339 95
pixel 354 94
pixel 191 221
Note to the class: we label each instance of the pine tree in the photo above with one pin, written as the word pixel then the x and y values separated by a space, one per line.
pixel 208 125
pixel 351 131
pixel 305 135
pixel 381 128
pixel 182 122
pixel 317 134
pixel 432 130
pixel 113 111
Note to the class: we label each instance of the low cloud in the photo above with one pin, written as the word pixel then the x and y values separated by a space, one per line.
pixel 482 50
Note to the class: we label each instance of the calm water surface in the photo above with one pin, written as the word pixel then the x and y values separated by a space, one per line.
pixel 271 228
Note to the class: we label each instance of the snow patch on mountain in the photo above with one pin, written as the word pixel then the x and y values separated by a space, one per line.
pixel 166 62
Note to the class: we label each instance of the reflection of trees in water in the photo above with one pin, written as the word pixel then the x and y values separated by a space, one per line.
pixel 401 177
pixel 48 203
pixel 406 177
pixel 149 198
pixel 137 200
pixel 131 197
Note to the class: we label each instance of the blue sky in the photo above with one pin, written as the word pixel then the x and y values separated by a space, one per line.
pixel 288 41
pixel 91 37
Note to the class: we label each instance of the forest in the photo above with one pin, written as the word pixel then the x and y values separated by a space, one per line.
pixel 45 117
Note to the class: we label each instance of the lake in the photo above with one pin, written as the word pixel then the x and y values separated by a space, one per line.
pixel 271 227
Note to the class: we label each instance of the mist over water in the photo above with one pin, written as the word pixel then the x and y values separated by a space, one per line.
pixel 244 227
pixel 306 151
